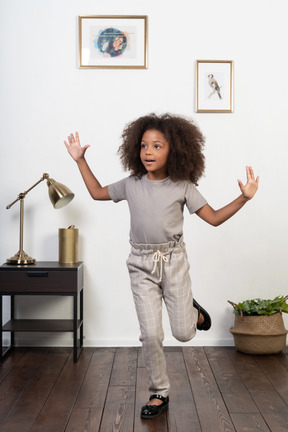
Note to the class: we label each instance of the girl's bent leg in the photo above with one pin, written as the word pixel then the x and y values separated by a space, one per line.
pixel 178 297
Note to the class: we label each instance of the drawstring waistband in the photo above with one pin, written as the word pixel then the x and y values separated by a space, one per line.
pixel 163 254
pixel 159 257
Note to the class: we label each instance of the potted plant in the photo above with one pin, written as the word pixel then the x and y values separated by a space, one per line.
pixel 258 326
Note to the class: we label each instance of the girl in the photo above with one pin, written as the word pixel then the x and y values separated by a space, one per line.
pixel 164 155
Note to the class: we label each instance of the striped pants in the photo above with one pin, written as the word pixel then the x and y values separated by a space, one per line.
pixel 161 272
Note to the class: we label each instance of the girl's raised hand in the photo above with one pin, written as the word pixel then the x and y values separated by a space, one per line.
pixel 74 148
pixel 249 190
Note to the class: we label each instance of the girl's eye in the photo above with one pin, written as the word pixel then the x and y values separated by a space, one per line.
pixel 157 146
pixel 143 145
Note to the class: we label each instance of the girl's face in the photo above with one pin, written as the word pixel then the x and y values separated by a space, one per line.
pixel 154 154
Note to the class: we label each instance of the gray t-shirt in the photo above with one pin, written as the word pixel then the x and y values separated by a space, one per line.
pixel 156 207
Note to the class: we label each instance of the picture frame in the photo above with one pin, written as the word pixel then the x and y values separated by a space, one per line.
pixel 113 41
pixel 214 86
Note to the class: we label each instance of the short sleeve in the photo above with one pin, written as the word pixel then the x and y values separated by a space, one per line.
pixel 117 191
pixel 194 199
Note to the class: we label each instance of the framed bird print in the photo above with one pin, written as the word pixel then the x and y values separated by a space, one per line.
pixel 113 41
pixel 214 86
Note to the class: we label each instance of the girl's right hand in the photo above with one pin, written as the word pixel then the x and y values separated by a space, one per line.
pixel 74 148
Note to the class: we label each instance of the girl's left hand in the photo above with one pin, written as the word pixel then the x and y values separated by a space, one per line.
pixel 249 190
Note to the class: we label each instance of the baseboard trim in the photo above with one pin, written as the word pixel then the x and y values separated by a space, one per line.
pixel 68 342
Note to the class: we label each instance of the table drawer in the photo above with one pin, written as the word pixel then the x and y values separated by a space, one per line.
pixel 38 281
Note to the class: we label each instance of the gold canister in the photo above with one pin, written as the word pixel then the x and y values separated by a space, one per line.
pixel 68 245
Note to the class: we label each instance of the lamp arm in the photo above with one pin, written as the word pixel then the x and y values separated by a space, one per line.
pixel 22 195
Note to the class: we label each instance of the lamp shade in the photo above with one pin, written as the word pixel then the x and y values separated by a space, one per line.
pixel 59 194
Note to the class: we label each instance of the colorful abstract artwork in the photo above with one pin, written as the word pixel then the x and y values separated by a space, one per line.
pixel 113 42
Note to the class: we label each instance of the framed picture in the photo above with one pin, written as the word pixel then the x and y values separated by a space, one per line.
pixel 214 86
pixel 113 42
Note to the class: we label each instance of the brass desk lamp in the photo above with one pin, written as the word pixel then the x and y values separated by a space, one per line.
pixel 59 195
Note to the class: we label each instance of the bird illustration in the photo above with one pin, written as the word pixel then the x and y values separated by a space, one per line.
pixel 214 85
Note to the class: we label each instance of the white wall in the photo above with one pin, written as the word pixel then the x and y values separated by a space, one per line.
pixel 44 96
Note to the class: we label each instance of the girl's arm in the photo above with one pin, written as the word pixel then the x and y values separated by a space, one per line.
pixel 77 152
pixel 217 217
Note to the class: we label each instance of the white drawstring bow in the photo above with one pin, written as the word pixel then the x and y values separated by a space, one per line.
pixel 158 256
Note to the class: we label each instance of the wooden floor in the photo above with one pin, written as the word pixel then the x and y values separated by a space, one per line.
pixel 213 389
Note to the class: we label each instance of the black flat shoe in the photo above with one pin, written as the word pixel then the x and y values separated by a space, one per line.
pixel 151 411
pixel 207 319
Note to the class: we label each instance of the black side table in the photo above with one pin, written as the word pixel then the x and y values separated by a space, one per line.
pixel 43 278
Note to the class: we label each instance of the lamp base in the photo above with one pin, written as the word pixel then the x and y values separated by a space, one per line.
pixel 20 258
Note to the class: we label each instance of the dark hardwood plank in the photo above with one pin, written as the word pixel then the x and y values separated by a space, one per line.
pixel 182 414
pixel 87 413
pixel 276 373
pixel 232 388
pixel 249 422
pixel 124 368
pixel 29 404
pixel 58 408
pixel 283 358
pixel 103 356
pixel 94 389
pixel 119 410
pixel 89 406
pixel 211 409
pixel 270 404
pixel 10 361
pixel 84 420
pixel 14 384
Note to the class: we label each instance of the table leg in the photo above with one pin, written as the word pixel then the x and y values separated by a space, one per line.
pixel 75 319
pixel 81 319
pixel 1 321
pixel 12 315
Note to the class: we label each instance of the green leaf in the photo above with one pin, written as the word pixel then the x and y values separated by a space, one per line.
pixel 261 307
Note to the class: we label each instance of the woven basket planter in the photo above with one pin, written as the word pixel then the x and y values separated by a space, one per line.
pixel 259 334
pixel 263 334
